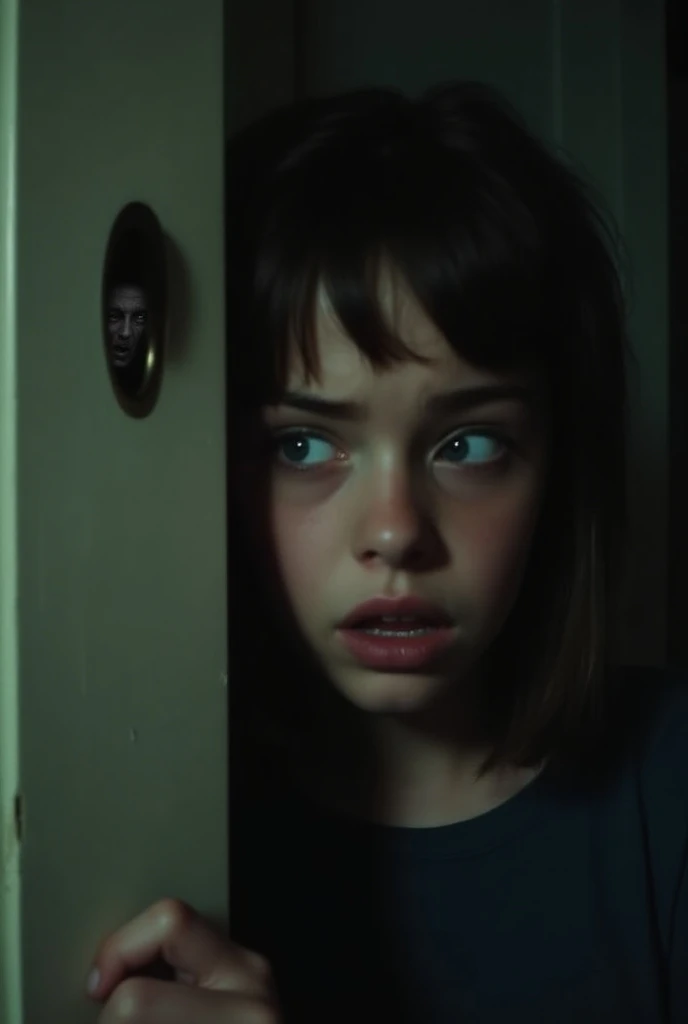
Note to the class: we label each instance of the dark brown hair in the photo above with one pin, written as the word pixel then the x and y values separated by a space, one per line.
pixel 509 252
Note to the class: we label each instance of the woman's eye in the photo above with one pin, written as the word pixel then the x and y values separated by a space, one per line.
pixel 475 448
pixel 304 450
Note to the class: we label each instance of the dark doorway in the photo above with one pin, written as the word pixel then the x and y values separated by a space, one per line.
pixel 677 129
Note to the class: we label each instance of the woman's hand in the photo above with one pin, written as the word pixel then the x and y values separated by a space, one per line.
pixel 216 981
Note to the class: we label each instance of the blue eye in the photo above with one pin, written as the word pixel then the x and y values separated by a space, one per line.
pixel 461 449
pixel 305 450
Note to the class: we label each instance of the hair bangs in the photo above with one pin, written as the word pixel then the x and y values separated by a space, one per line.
pixel 470 252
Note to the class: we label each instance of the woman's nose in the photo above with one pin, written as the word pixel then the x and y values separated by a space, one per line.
pixel 392 527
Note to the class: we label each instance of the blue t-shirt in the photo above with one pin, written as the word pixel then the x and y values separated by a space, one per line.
pixel 568 903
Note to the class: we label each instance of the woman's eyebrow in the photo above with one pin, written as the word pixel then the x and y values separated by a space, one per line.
pixel 458 400
pixel 338 410
pixel 467 398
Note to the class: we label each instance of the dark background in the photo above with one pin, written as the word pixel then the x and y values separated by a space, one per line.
pixel 677 109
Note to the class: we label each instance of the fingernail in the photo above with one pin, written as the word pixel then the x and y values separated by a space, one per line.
pixel 93 981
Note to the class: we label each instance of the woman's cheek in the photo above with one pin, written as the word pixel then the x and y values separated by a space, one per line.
pixel 494 545
pixel 304 548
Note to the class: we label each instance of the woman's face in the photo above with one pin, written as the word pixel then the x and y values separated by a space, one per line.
pixel 415 481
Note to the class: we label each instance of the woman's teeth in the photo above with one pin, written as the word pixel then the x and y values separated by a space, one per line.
pixel 403 629
pixel 399 632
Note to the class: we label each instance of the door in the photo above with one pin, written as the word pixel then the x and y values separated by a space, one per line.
pixel 113 659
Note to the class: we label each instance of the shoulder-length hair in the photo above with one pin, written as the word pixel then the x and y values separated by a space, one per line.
pixel 511 254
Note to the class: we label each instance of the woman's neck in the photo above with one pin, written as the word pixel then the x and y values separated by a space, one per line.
pixel 404 770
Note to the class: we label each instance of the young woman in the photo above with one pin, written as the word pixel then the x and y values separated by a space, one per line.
pixel 447 804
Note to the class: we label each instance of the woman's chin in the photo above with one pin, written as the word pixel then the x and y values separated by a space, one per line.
pixel 388 692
